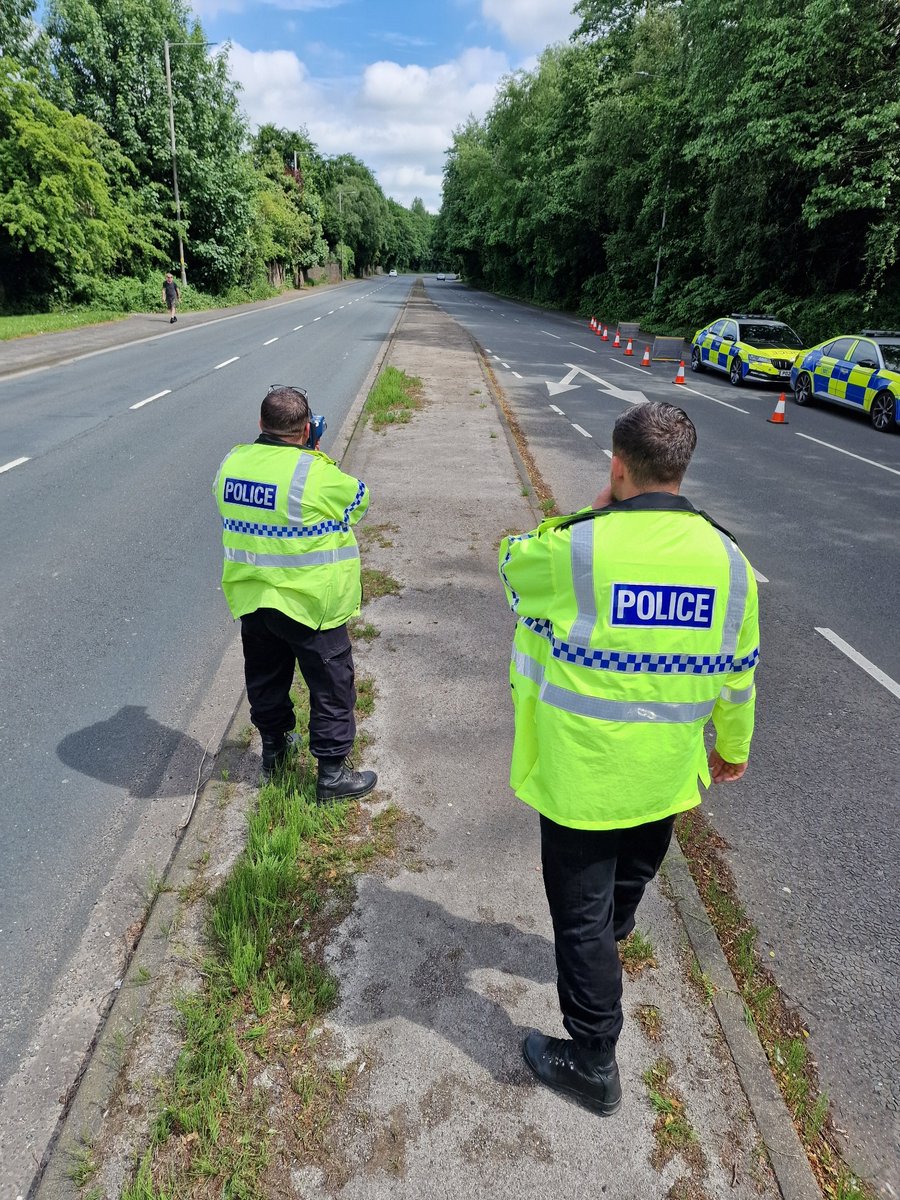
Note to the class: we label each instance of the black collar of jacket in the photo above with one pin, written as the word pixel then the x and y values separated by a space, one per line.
pixel 646 502
pixel 272 439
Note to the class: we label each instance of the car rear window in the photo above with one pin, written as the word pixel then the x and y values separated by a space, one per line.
pixel 774 336
pixel 891 354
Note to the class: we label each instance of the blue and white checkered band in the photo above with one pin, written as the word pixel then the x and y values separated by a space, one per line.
pixel 665 605
pixel 249 493
pixel 284 531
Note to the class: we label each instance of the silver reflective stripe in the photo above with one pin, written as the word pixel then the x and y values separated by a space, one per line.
pixel 528 666
pixel 315 558
pixel 624 710
pixel 737 596
pixel 583 582
pixel 737 695
pixel 295 491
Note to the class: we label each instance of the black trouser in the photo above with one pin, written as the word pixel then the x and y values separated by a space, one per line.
pixel 595 879
pixel 273 642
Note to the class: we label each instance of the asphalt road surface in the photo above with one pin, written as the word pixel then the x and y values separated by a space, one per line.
pixel 112 624
pixel 814 827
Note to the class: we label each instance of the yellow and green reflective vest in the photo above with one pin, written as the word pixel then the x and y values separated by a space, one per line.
pixel 287 514
pixel 635 625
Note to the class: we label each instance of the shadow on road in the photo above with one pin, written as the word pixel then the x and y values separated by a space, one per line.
pixel 130 750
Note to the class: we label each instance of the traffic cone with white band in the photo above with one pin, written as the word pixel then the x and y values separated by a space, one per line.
pixel 605 337
pixel 679 375
pixel 629 349
pixel 645 361
pixel 778 417
pixel 617 341
pixel 593 323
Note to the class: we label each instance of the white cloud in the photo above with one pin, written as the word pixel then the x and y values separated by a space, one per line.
pixel 531 24
pixel 398 119
pixel 211 8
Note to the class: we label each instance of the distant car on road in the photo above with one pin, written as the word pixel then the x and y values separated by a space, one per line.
pixel 746 346
pixel 392 273
pixel 441 278
pixel 861 371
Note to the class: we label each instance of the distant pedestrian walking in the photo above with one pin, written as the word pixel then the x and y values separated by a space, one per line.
pixel 171 296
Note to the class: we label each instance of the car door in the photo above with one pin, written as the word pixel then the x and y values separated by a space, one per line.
pixel 709 344
pixel 840 372
pixel 832 356
pixel 726 348
pixel 864 365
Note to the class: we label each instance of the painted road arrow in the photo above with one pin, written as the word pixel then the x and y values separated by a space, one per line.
pixel 566 385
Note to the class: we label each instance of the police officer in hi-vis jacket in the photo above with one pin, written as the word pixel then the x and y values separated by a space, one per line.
pixel 291 574
pixel 637 622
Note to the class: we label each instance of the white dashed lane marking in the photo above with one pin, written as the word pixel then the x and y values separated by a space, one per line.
pixel 270 341
pixel 226 363
pixel 861 661
pixel 517 375
pixel 317 318
pixel 150 399
pixel 296 327
pixel 850 454
pixel 760 578
pixel 579 346
pixel 583 432
pixel 16 462
pixel 705 396
pixel 557 410
pixel 553 335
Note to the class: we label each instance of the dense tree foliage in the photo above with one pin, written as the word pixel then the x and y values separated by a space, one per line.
pixel 86 195
pixel 747 147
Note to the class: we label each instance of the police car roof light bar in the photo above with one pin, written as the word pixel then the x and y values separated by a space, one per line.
pixel 880 333
pixel 754 317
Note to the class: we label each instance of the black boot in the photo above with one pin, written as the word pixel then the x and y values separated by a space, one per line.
pixel 589 1076
pixel 337 781
pixel 275 749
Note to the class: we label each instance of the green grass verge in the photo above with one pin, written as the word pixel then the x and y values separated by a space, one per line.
pixel 393 399
pixel 263 994
pixel 781 1031
pixel 54 322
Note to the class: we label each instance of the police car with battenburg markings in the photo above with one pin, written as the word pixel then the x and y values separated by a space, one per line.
pixel 860 371
pixel 746 346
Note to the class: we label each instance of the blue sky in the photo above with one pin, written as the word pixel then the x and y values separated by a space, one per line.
pixel 385 80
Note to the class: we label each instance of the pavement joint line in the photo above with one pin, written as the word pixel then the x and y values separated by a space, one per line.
pixel 715 400
pixel 869 667
pixel 150 399
pixel 226 363
pixel 849 453
pixel 270 341
pixel 583 432
pixel 16 462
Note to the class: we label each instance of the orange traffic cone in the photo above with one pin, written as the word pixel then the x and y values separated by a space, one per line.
pixel 598 329
pixel 617 342
pixel 593 323
pixel 778 417
pixel 605 337
pixel 629 351
pixel 679 376
pixel 645 361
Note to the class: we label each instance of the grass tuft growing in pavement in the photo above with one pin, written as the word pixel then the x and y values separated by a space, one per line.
pixel 394 398
pixel 672 1130
pixel 781 1031
pixel 257 1016
pixel 376 583
pixel 636 953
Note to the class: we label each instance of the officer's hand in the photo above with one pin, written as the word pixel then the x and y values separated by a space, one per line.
pixel 605 499
pixel 722 771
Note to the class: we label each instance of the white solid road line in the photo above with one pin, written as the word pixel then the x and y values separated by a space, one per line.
pixel 724 403
pixel 226 363
pixel 579 346
pixel 150 399
pixel 583 432
pixel 270 341
pixel 850 454
pixel 861 661
pixel 553 335
pixel 16 462
pixel 760 578
pixel 557 410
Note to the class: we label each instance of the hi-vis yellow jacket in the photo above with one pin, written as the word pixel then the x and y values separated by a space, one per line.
pixel 636 624
pixel 286 518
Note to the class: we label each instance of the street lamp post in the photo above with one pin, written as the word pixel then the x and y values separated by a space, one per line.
pixel 166 45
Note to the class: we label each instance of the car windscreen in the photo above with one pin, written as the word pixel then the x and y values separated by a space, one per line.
pixel 891 353
pixel 775 336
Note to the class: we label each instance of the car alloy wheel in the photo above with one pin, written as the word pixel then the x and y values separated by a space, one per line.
pixel 696 360
pixel 736 374
pixel 883 411
pixel 803 389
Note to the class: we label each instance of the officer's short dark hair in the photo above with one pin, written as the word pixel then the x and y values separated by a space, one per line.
pixel 284 410
pixel 655 441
